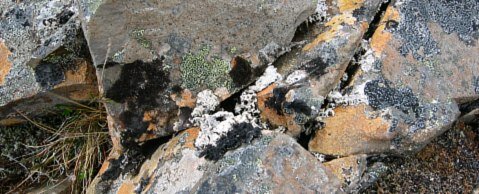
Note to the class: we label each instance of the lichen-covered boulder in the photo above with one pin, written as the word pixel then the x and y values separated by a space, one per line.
pixel 153 58
pixel 419 64
pixel 314 69
pixel 271 163
pixel 41 50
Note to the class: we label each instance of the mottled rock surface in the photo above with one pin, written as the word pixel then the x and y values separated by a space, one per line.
pixel 312 70
pixel 420 62
pixel 272 163
pixel 153 58
pixel 41 50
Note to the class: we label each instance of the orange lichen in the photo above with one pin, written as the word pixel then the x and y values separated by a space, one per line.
pixel 186 99
pixel 381 37
pixel 350 131
pixel 271 115
pixel 126 188
pixel 5 64
pixel 349 5
pixel 335 26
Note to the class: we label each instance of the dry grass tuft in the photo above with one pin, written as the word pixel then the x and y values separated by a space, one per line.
pixel 67 146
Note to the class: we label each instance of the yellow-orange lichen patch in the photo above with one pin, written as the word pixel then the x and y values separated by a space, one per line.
pixel 271 115
pixel 350 131
pixel 185 99
pixel 126 188
pixel 349 5
pixel 5 64
pixel 381 37
pixel 334 30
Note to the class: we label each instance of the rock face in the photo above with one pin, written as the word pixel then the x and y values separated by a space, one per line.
pixel 271 163
pixel 417 66
pixel 41 50
pixel 153 58
pixel 316 68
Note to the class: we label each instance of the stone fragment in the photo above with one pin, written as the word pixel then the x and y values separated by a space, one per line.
pixel 43 58
pixel 312 70
pixel 153 58
pixel 416 68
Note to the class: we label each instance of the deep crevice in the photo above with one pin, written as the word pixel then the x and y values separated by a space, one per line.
pixel 373 25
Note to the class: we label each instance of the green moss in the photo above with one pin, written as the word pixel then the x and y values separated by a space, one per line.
pixel 139 36
pixel 197 71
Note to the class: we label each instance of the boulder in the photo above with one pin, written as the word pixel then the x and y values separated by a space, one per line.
pixel 153 58
pixel 271 163
pixel 43 58
pixel 419 64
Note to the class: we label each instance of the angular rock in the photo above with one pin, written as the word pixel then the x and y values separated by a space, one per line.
pixel 313 70
pixel 272 163
pixel 41 50
pixel 153 58
pixel 420 62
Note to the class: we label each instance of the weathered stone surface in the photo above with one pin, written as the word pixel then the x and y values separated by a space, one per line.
pixel 349 171
pixel 313 70
pixel 418 64
pixel 41 50
pixel 153 58
pixel 272 163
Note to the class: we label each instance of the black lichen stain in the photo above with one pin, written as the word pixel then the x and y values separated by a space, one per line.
pixel 241 133
pixel 241 73
pixel 317 66
pixel 140 88
pixel 276 101
pixel 49 75
pixel 381 95
pixel 139 83
pixel 453 16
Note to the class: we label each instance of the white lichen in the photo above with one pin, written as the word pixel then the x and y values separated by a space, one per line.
pixel 206 102
pixel 269 76
pixel 296 76
pixel 320 13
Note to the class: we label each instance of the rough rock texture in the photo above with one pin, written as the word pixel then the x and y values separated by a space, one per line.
pixel 314 69
pixel 41 49
pixel 418 64
pixel 349 171
pixel 272 163
pixel 154 57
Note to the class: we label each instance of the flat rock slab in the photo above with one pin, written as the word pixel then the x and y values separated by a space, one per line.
pixel 419 64
pixel 272 163
pixel 41 50
pixel 153 57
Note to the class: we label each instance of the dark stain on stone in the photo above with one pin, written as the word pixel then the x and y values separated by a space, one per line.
pixel 381 95
pixel 241 133
pixel 241 73
pixel 107 65
pixel 276 101
pixel 317 66
pixel 298 106
pixel 140 82
pixel 49 75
